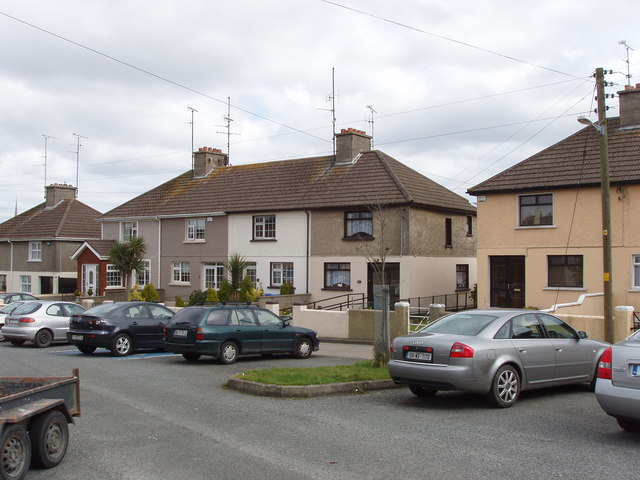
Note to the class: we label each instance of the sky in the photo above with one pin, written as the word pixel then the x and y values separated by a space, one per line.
pixel 110 95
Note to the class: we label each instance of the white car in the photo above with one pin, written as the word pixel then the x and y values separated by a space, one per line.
pixel 6 310
pixel 41 322
pixel 618 384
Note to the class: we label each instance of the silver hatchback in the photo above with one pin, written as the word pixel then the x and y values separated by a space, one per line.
pixel 498 353
pixel 41 322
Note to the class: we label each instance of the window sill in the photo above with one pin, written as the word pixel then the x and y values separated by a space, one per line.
pixel 463 289
pixel 195 241
pixel 180 284
pixel 448 246
pixel 634 290
pixel 34 261
pixel 337 289
pixel 263 240
pixel 570 289
pixel 119 287
pixel 358 239
pixel 529 227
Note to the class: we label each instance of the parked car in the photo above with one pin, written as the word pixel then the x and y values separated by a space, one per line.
pixel 498 353
pixel 4 311
pixel 41 322
pixel 14 297
pixel 120 327
pixel 227 331
pixel 618 384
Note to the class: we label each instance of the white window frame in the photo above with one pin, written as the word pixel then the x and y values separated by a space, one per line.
pixel 217 270
pixel 114 278
pixel 252 272
pixel 25 283
pixel 262 223
pixel 35 251
pixel 195 229
pixel 146 274
pixel 280 273
pixel 180 273
pixel 635 272
pixel 128 230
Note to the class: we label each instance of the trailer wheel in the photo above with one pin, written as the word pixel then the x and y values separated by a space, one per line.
pixel 16 452
pixel 49 434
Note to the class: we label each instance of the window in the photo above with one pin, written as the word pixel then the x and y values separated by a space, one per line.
pixel 448 233
pixel 536 210
pixel 565 270
pixel 526 326
pixel 462 277
pixel 195 229
pixel 3 283
pixel 35 251
pixel 358 225
pixel 145 278
pixel 337 275
pixel 264 227
pixel 213 275
pixel 469 226
pixel 556 328
pixel 128 230
pixel 636 272
pixel 25 283
pixel 265 318
pixel 180 272
pixel 281 272
pixel 251 272
pixel 114 279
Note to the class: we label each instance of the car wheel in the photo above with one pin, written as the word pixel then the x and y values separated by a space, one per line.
pixel 43 338
pixel 423 392
pixel 86 349
pixel 304 348
pixel 191 357
pixel 505 387
pixel 49 439
pixel 628 425
pixel 121 345
pixel 228 353
pixel 2 337
pixel 16 452
pixel 17 343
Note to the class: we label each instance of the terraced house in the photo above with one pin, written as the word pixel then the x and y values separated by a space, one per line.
pixel 321 224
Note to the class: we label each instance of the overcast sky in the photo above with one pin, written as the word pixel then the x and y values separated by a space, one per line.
pixel 461 90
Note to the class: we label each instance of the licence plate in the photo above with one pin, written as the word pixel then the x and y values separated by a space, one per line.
pixel 77 337
pixel 420 356
pixel 180 333
pixel 635 370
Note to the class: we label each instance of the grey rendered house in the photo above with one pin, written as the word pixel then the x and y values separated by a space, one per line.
pixel 35 246
pixel 319 223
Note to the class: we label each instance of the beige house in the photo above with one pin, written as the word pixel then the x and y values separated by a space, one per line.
pixel 540 223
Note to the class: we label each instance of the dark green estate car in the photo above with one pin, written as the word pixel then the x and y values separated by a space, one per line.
pixel 226 331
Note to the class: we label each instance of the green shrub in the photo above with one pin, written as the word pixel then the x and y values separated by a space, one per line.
pixel 134 294
pixel 247 292
pixel 197 297
pixel 225 291
pixel 149 293
pixel 211 296
pixel 179 301
pixel 286 288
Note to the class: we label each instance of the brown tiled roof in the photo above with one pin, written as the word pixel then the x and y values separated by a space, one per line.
pixel 309 183
pixel 68 219
pixel 101 247
pixel 574 161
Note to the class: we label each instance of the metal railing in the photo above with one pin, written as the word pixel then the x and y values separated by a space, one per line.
pixel 636 322
pixel 339 302
pixel 452 302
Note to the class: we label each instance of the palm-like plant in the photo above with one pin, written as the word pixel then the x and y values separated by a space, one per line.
pixel 128 257
pixel 236 265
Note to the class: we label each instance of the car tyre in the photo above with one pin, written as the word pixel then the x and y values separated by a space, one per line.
pixel 16 452
pixel 87 349
pixel 505 388
pixel 304 348
pixel 49 435
pixel 43 338
pixel 422 392
pixel 121 345
pixel 191 357
pixel 17 343
pixel 228 352
pixel 628 425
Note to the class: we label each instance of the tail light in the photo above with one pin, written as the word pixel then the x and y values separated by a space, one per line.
pixel 391 350
pixel 199 334
pixel 460 350
pixel 604 366
pixel 164 331
pixel 27 320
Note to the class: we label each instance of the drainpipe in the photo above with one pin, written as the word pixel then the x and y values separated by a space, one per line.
pixel 10 287
pixel 308 248
pixel 159 248
pixel 402 231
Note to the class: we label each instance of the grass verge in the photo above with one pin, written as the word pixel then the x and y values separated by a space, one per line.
pixel 317 375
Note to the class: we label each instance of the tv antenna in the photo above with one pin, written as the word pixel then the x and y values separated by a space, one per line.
pixel 371 122
pixel 627 48
pixel 78 145
pixel 192 110
pixel 228 119
pixel 46 138
pixel 332 98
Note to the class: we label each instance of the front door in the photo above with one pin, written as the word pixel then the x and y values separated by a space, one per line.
pixel 89 278
pixel 392 278
pixel 507 281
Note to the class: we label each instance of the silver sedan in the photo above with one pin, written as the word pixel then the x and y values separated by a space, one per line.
pixel 618 384
pixel 498 353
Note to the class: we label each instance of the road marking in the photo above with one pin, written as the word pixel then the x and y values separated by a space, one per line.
pixel 106 353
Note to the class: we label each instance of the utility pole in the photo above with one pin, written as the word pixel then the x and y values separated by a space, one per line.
pixel 605 187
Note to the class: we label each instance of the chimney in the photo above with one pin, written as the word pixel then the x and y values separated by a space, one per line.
pixel 206 160
pixel 56 192
pixel 630 106
pixel 350 143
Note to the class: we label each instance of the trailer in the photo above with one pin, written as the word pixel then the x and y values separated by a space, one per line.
pixel 34 413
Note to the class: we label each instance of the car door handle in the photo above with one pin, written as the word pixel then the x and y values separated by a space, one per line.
pixel 522 350
pixel 558 349
pixel 134 323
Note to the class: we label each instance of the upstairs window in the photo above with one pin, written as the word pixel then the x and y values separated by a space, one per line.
pixel 565 271
pixel 469 226
pixel 636 271
pixel 536 210
pixel 195 229
pixel 264 227
pixel 128 230
pixel 358 225
pixel 35 251
pixel 448 233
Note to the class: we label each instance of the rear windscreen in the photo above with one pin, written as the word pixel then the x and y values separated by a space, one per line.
pixel 26 308
pixel 460 324
pixel 188 316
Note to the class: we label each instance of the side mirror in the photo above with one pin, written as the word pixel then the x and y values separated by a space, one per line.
pixel 582 334
pixel 286 320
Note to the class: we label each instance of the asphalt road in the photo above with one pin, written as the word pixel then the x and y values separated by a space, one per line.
pixel 156 416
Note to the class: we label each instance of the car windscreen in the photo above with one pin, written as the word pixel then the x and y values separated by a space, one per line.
pixel 26 308
pixel 101 309
pixel 188 316
pixel 460 324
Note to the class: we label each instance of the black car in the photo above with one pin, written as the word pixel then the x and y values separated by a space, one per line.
pixel 14 297
pixel 226 331
pixel 120 327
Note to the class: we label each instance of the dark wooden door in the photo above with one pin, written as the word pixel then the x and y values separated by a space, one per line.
pixel 507 281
